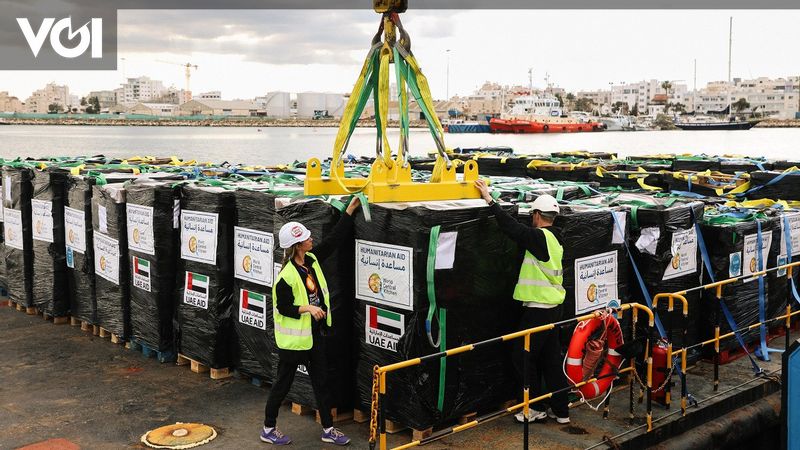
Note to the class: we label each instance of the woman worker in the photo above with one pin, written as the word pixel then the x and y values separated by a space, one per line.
pixel 301 311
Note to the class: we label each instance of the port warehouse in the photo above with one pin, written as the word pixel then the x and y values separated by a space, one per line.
pixel 117 237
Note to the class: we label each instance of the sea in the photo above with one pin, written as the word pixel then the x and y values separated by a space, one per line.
pixel 280 145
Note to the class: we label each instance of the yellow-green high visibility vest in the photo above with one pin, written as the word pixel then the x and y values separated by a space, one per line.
pixel 295 334
pixel 540 282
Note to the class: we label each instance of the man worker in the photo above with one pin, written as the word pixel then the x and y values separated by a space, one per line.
pixel 540 290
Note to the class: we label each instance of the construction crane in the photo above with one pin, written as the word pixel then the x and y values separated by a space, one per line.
pixel 188 74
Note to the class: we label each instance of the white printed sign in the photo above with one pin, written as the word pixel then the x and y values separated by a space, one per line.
pixel 199 236
pixel 384 274
pixel 13 229
pixel 140 228
pixel 684 254
pixel 42 220
pixel 596 280
pixel 140 273
pixel 750 259
pixel 75 229
pixel 794 231
pixel 383 328
pixel 106 257
pixel 195 292
pixel 253 255
pixel 253 309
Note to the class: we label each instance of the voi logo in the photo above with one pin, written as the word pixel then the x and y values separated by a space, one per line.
pixel 88 37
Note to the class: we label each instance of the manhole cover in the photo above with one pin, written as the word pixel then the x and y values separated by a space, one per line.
pixel 179 435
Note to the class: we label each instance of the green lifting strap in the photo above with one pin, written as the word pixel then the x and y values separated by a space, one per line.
pixel 442 361
pixel 430 272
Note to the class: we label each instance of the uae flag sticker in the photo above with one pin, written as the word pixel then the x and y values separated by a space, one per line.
pixel 196 290
pixel 383 328
pixel 252 306
pixel 141 273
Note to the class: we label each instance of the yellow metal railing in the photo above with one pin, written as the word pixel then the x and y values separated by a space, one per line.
pixel 378 419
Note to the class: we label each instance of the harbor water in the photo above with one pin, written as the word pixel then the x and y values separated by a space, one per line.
pixel 282 145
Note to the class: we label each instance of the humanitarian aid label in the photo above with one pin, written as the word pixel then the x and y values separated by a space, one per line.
pixel 253 309
pixel 199 236
pixel 383 328
pixel 684 254
pixel 140 228
pixel 596 280
pixel 383 274
pixel 13 229
pixel 253 255
pixel 794 231
pixel 106 257
pixel 75 229
pixel 751 253
pixel 42 220
pixel 195 292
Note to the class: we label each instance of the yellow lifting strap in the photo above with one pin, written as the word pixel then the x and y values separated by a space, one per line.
pixel 390 179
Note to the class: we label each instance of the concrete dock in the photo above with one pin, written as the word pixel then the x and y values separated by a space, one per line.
pixel 60 383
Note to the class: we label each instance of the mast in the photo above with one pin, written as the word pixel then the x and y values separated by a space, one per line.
pixel 530 81
pixel 730 46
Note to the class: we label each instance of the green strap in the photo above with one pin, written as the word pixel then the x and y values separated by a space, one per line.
pixel 431 269
pixel 364 206
pixel 670 202
pixel 560 193
pixel 442 361
pixel 635 215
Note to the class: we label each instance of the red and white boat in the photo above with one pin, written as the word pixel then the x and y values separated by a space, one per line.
pixel 535 114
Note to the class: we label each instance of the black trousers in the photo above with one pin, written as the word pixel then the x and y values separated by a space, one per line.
pixel 316 363
pixel 545 359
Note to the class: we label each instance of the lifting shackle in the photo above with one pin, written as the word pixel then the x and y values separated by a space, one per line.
pixel 394 6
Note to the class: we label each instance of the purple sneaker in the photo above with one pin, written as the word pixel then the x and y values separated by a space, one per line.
pixel 335 437
pixel 275 437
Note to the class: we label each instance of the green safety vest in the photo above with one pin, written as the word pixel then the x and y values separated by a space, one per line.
pixel 541 282
pixel 295 334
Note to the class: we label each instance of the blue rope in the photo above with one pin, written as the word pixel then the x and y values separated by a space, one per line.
pixel 763 351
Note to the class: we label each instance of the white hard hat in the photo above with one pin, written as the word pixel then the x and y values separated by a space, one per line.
pixel 292 233
pixel 545 203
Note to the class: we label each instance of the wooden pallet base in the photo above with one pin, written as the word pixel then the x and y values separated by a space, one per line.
pixel 360 416
pixel 31 310
pixel 147 351
pixel 198 367
pixel 74 321
pixel 338 416
pixel 107 334
pixel 61 320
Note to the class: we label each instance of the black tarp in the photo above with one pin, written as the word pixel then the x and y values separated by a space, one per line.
pixel 111 264
pixel 475 291
pixel 50 292
pixel 775 185
pixel 204 319
pixel 153 237
pixel 17 191
pixel 78 233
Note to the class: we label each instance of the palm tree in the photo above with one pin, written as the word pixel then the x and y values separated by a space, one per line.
pixel 667 86
pixel 741 105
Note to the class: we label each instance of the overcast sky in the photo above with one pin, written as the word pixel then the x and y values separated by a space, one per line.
pixel 248 53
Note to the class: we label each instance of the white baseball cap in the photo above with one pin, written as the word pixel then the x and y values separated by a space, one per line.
pixel 545 203
pixel 292 233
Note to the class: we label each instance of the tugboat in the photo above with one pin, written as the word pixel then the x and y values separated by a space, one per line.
pixel 539 114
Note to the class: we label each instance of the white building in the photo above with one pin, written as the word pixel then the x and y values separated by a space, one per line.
pixel 40 100
pixel 234 108
pixel 141 89
pixel 211 95
pixel 155 109
pixel 10 103
pixel 641 95
pixel 311 104
pixel 107 99
pixel 778 98
pixel 276 104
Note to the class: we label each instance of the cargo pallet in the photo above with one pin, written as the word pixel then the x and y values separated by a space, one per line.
pixel 114 338
pixel 85 325
pixel 148 351
pixel 29 310
pixel 198 367
pixel 360 416
pixel 338 417
pixel 60 320
pixel 252 379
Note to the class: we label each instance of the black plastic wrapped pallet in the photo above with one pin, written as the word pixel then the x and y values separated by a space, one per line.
pixel 3 282
pixel 527 190
pixel 583 154
pixel 577 173
pixel 204 319
pixel 734 165
pixel 50 292
pixel 729 256
pixel 111 264
pixel 153 239
pixel 775 185
pixel 511 166
pixel 474 286
pixel 778 282
pixel 17 231
pixel 595 260
pixel 78 233
pixel 664 244
pixel 696 163
pixel 785 164
pixel 254 270
pixel 320 217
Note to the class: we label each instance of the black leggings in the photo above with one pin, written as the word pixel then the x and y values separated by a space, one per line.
pixel 316 363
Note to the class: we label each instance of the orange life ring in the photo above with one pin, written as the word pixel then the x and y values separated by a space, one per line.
pixel 573 365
